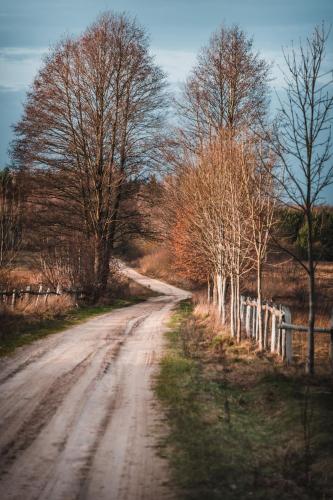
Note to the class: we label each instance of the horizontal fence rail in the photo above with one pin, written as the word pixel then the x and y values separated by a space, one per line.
pixel 303 328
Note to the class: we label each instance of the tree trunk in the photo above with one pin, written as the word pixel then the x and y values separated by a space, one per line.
pixel 224 294
pixel 232 306
pixel 215 289
pixel 102 267
pixel 312 298
pixel 259 308
pixel 238 311
pixel 219 292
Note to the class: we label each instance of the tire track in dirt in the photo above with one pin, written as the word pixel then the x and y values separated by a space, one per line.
pixel 83 412
pixel 42 414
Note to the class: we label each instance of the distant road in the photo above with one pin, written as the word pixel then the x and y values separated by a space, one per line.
pixel 78 418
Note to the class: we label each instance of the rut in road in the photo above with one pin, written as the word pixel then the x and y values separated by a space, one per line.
pixel 78 419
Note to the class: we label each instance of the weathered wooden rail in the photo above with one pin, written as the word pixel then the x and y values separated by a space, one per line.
pixel 277 327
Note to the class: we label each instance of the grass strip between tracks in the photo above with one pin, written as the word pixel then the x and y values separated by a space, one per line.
pixel 241 425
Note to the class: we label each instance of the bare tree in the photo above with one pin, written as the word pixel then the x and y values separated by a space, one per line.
pixel 301 140
pixel 259 198
pixel 226 89
pixel 209 220
pixel 90 124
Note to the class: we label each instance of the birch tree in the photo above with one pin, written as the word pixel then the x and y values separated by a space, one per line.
pixel 259 198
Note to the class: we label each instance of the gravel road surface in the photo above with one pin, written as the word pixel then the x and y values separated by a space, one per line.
pixel 78 419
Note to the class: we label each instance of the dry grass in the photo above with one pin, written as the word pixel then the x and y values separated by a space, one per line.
pixel 157 262
pixel 287 285
pixel 29 312
pixel 20 277
pixel 34 316
pixel 39 305
pixel 284 284
pixel 207 317
pixel 238 422
pixel 29 309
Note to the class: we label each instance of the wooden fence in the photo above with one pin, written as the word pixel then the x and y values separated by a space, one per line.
pixel 13 297
pixel 277 328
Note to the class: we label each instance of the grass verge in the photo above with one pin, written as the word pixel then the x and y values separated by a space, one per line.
pixel 241 425
pixel 20 331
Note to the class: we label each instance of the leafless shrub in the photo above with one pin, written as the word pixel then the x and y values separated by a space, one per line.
pixel 67 263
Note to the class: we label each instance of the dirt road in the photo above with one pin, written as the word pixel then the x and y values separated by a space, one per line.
pixel 78 418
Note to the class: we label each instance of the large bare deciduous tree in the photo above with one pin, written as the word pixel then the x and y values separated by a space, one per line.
pixel 90 126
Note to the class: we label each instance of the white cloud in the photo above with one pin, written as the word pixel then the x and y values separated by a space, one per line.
pixel 176 63
pixel 18 66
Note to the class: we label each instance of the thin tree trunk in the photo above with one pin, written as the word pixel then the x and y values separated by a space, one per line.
pixel 215 289
pixel 218 292
pixel 102 266
pixel 224 294
pixel 259 296
pixel 238 311
pixel 312 299
pixel 232 306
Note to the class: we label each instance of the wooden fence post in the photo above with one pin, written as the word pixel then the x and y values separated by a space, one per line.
pixel 279 333
pixel 248 319
pixel 242 307
pixel 266 326
pixel 40 289
pixel 46 295
pixel 287 337
pixel 282 335
pixel 26 294
pixel 254 321
pixel 13 298
pixel 273 334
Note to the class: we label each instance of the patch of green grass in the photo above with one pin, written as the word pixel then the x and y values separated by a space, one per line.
pixel 236 437
pixel 21 331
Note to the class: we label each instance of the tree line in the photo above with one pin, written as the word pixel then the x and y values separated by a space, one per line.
pixel 230 178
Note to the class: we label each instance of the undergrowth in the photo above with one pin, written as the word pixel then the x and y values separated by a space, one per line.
pixel 241 425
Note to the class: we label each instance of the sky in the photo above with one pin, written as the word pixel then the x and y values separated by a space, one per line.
pixel 177 28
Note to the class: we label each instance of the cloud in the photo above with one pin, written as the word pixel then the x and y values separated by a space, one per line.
pixel 18 66
pixel 176 63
